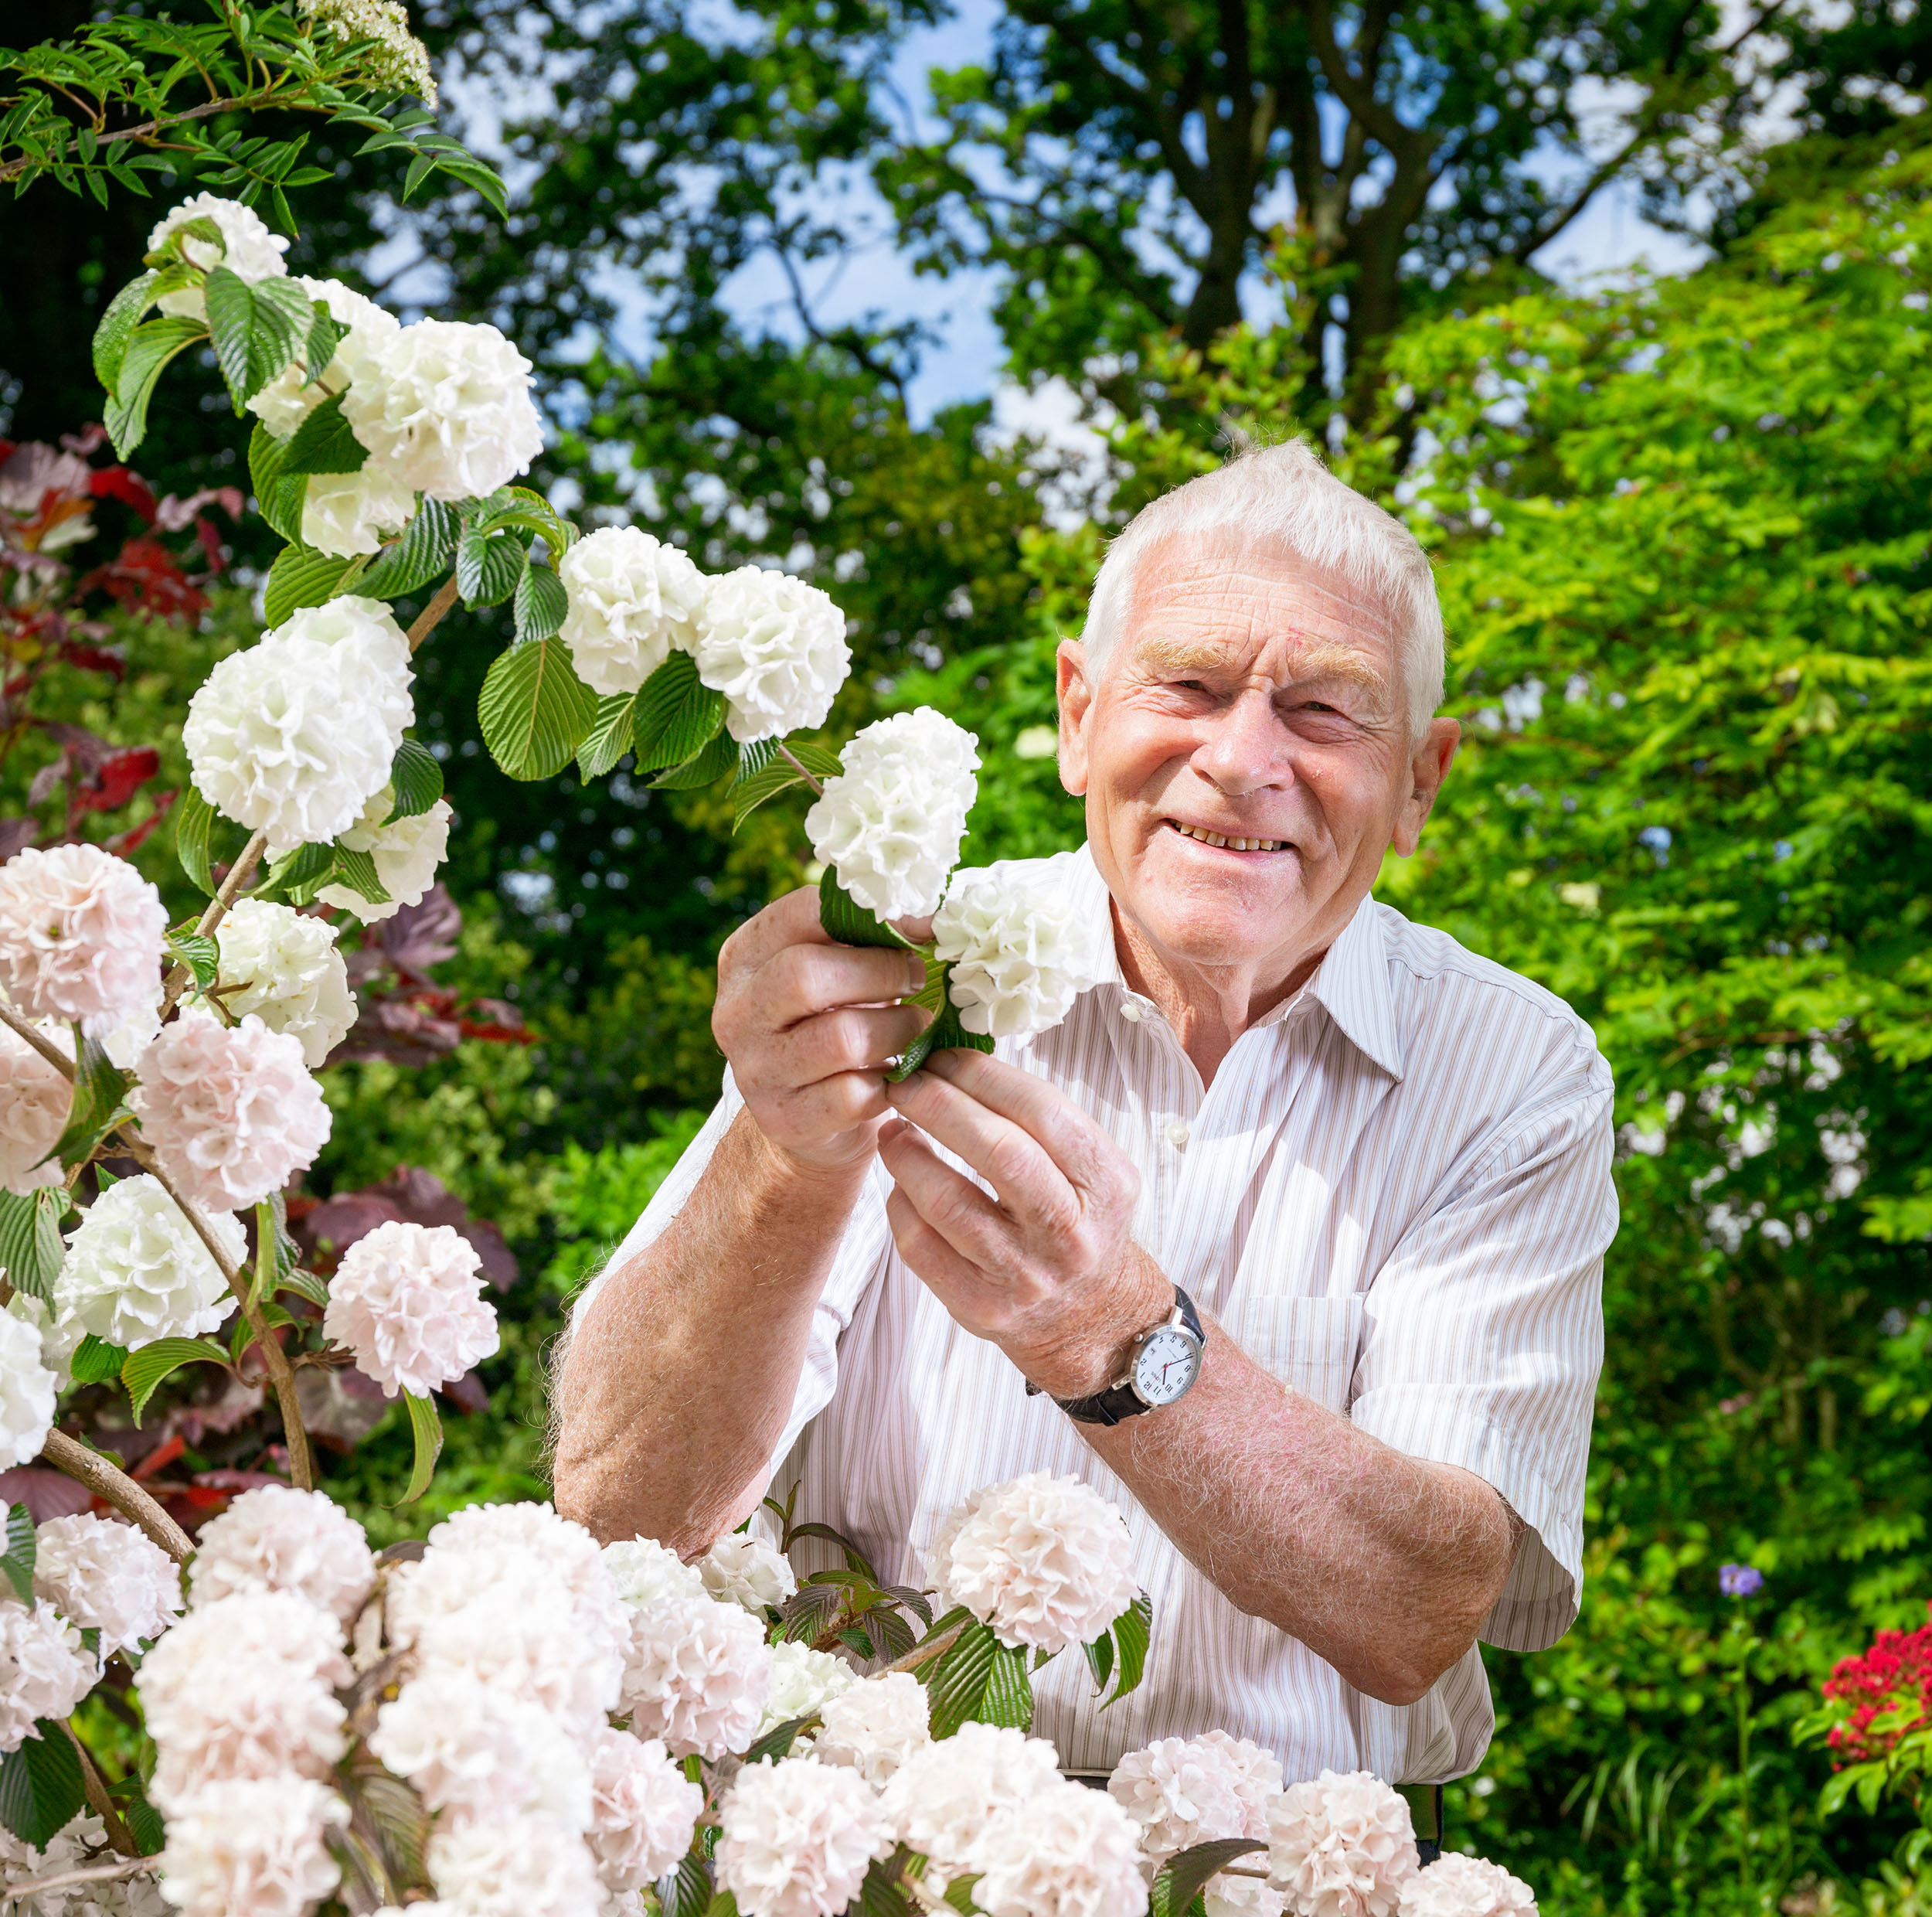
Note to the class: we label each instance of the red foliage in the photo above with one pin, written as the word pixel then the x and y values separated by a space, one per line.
pixel 1894 1677
pixel 146 578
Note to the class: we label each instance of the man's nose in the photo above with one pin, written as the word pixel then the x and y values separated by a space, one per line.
pixel 1246 750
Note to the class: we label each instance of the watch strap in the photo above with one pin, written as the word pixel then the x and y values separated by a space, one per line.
pixel 1119 1402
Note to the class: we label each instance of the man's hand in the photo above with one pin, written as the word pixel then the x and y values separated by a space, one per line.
pixel 809 1027
pixel 1050 1272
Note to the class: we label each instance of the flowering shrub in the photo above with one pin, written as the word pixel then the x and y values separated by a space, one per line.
pixel 1877 1721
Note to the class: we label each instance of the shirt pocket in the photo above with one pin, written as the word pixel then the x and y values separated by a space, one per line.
pixel 1311 1344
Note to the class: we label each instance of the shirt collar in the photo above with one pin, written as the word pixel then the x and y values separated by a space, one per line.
pixel 1352 983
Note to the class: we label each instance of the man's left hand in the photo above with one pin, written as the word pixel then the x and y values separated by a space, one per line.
pixel 1046 1268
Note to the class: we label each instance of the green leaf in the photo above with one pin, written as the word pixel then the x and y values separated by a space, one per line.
pixel 200 954
pixel 541 603
pixel 30 1248
pixel 17 1564
pixel 357 870
pixel 231 321
pixel 773 773
pixel 944 1033
pixel 194 829
pixel 677 714
pixel 880 1896
pixel 1181 1879
pixel 779 1739
pixel 957 1681
pixel 96 1361
pixel 416 777
pixel 423 553
pixel 534 711
pixel 610 736
pixel 959 1893
pixel 299 875
pixel 324 443
pixel 299 577
pixel 426 1429
pixel 686 1891
pixel 848 923
pixel 278 335
pixel 124 313
pixel 1129 1634
pixel 40 1786
pixel 143 1820
pixel 305 1285
pixel 279 496
pixel 145 1369
pixel 489 566
pixel 149 349
pixel 327 333
pixel 706 769
pixel 99 1087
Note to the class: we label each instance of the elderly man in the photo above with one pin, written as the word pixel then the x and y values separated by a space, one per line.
pixel 1340 1187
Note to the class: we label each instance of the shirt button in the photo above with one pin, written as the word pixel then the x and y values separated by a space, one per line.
pixel 1131 1013
pixel 1177 1133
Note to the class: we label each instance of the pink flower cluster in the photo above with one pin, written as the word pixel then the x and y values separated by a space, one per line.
pixel 1892 1679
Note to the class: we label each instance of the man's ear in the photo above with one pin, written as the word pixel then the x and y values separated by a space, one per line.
pixel 1076 700
pixel 1428 767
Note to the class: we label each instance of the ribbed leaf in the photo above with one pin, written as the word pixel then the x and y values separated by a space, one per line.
pixel 99 1087
pixel 774 774
pixel 284 319
pixel 325 335
pixel 778 1740
pixel 416 777
pixel 323 443
pixel 299 577
pixel 426 1429
pixel 534 711
pixel 30 1248
pixel 706 769
pixel 95 1361
pixel 299 875
pixel 124 313
pixel 145 1369
pixel 194 831
pixel 945 1033
pixel 1180 1880
pixel 199 953
pixel 423 553
pixel 541 603
pixel 40 1786
pixel 231 319
pixel 880 1896
pixel 678 715
pixel 357 871
pixel 149 348
pixel 610 736
pixel 489 566
pixel 1130 1634
pixel 848 922
pixel 686 1891
pixel 956 1682
pixel 279 496
pixel 17 1564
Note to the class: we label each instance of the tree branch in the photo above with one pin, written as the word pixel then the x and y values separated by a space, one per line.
pixel 239 874
pixel 98 1801
pixel 109 1482
pixel 431 616
pixel 93 1874
pixel 241 103
pixel 50 1052
pixel 925 1653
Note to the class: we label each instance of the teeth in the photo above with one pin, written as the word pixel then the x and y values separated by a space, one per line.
pixel 1219 839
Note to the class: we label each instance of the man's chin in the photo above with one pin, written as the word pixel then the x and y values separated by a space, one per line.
pixel 1220 918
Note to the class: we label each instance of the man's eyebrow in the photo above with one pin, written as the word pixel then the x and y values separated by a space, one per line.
pixel 1316 659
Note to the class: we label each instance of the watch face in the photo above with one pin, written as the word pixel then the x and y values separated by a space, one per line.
pixel 1165 1365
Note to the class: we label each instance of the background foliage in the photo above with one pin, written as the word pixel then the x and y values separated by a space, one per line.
pixel 1681 532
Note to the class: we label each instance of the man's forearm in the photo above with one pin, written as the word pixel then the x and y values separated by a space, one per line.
pixel 681 1374
pixel 1384 1565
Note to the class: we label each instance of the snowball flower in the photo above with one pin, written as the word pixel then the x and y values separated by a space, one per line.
pixel 1066 1851
pixel 632 600
pixel 28 1388
pixel 253 1844
pixel 285 968
pixel 278 1538
pixel 59 1339
pixel 1342 1846
pixel 1184 1792
pixel 44 1669
pixel 347 513
pixel 802 1679
pixel 797 1838
pixel 78 1843
pixel 292 395
pixel 444 408
pixel 407 852
pixel 645 1573
pixel 775 647
pixel 644 1809
pixel 294 735
pixel 512 1866
pixel 698 1675
pixel 875 1726
pixel 125 1041
pixel 35 1098
pixel 247 248
pixel 407 1301
pixel 80 936
pixel 106 1576
pixel 480 1752
pixel 136 1271
pixel 1022 945
pixel 941 1799
pixel 244 1687
pixel 743 1569
pixel 892 820
pixel 1456 1885
pixel 1046 1561
pixel 231 1112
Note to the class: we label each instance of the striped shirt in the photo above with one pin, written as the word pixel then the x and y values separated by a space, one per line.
pixel 1396 1196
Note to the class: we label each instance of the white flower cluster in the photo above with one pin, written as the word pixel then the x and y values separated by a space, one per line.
pixel 283 965
pixel 407 1301
pixel 407 852
pixel 1459 1886
pixel 46 1670
pixel 276 1538
pixel 633 601
pixel 107 1577
pixel 295 736
pixel 1021 948
pixel 80 1845
pixel 28 1387
pixel 398 60
pixel 34 1098
pixel 1044 1561
pixel 803 1682
pixel 247 247
pixel 1342 1846
pixel 891 821
pixel 136 1271
pixel 1182 1792
pixel 80 936
pixel 743 1569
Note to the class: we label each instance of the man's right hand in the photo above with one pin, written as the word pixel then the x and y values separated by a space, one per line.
pixel 809 1027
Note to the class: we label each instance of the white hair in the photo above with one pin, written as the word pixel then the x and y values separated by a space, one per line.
pixel 1283 496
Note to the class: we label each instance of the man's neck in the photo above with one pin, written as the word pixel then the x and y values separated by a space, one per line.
pixel 1208 1007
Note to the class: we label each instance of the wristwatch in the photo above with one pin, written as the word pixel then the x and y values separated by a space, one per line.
pixel 1166 1362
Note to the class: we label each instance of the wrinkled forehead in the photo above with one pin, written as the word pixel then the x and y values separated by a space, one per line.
pixel 1223 602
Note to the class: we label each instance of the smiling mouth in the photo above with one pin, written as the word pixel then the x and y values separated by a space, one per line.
pixel 1227 843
